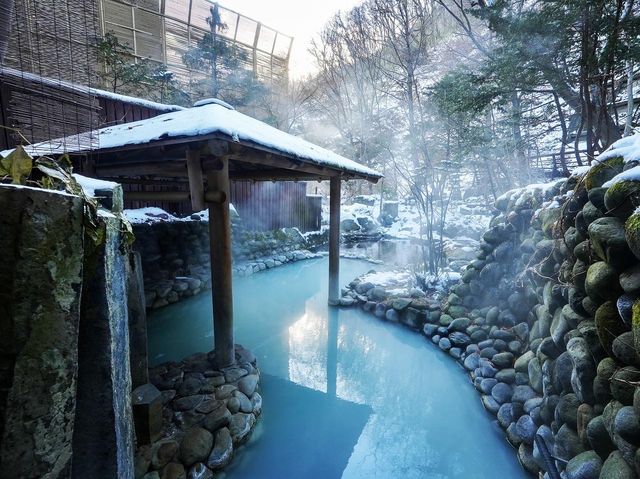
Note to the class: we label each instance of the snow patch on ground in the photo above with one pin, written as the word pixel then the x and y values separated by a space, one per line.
pixel 387 279
pixel 150 215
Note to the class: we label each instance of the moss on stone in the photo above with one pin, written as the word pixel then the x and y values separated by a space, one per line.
pixel 603 172
pixel 609 325
pixel 635 324
pixel 632 233
pixel 621 199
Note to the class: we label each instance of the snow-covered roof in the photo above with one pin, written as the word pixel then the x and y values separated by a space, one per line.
pixel 85 90
pixel 211 120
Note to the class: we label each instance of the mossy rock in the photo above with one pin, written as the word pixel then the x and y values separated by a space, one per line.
pixel 572 238
pixel 548 220
pixel 584 252
pixel 635 325
pixel 591 212
pixel 609 325
pixel 457 311
pixel 622 198
pixel 603 171
pixel 632 234
pixel 596 198
pixel 623 384
pixel 608 239
pixel 601 282
pixel 630 279
pixel 581 224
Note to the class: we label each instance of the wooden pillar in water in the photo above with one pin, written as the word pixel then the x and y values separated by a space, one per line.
pixel 220 246
pixel 334 241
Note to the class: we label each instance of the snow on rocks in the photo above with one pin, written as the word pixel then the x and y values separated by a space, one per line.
pixel 627 148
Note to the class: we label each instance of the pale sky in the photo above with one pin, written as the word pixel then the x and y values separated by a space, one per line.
pixel 301 19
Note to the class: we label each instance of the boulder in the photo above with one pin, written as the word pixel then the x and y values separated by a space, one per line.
pixel 586 465
pixel 200 471
pixel 599 438
pixel 598 174
pixel 615 467
pixel 501 392
pixel 627 425
pixel 568 444
pixel 526 429
pixel 630 279
pixel 522 393
pixel 609 325
pixel 622 198
pixel 601 283
pixel 584 370
pixel 622 384
pixel 195 446
pixel 222 451
pixel 632 234
pixel 567 410
pixel 624 349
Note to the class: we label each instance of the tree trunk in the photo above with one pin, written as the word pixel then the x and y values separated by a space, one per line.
pixel 565 134
pixel 628 127
pixel 520 155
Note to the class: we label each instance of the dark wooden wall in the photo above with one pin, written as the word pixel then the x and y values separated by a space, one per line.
pixel 62 111
pixel 262 205
pixel 34 109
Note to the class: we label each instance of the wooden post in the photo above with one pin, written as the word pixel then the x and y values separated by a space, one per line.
pixel 334 241
pixel 220 245
pixel 196 184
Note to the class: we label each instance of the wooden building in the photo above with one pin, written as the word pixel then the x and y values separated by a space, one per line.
pixel 208 146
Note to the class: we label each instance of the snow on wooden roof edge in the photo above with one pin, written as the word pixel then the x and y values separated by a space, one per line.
pixel 206 120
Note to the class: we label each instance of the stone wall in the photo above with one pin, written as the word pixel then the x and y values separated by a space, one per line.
pixel 545 320
pixel 65 380
pixel 175 255
pixel 41 277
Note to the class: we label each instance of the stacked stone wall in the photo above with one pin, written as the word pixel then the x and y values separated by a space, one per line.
pixel 546 320
pixel 175 256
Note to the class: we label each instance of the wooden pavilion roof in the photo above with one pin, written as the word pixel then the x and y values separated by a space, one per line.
pixel 158 147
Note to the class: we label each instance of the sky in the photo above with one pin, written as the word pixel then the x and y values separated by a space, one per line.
pixel 302 19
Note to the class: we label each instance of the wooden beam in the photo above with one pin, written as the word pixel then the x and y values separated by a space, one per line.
pixel 221 276
pixel 174 196
pixel 170 196
pixel 196 183
pixel 334 241
pixel 276 161
pixel 171 169
pixel 274 175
